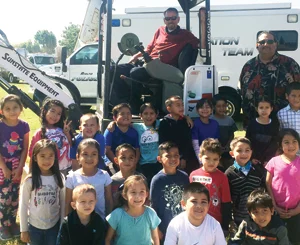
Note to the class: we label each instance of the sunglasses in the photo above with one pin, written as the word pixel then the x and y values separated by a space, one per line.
pixel 269 41
pixel 170 18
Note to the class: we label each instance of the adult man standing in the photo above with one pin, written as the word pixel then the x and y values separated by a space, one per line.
pixel 267 74
pixel 167 43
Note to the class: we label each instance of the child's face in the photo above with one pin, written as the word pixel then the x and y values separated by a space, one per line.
pixel 85 203
pixel 148 116
pixel 262 216
pixel 53 114
pixel 290 146
pixel 45 159
pixel 88 157
pixel 242 153
pixel 176 108
pixel 126 159
pixel 89 127
pixel 264 109
pixel 11 110
pixel 136 194
pixel 220 107
pixel 205 111
pixel 294 99
pixel 170 159
pixel 196 207
pixel 124 117
pixel 210 161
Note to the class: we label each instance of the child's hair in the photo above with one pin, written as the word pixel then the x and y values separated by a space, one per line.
pixel 88 142
pixel 117 108
pixel 284 132
pixel 8 98
pixel 292 86
pixel 263 99
pixel 34 167
pixel 201 102
pixel 165 147
pixel 125 146
pixel 210 145
pixel 171 99
pixel 237 140
pixel 259 198
pixel 217 98
pixel 194 187
pixel 89 116
pixel 129 182
pixel 47 104
pixel 82 189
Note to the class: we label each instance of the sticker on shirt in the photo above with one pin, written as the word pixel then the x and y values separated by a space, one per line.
pixel 202 179
pixel 173 195
pixel 45 195
pixel 13 144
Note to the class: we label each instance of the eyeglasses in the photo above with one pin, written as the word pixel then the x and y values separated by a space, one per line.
pixel 268 41
pixel 171 18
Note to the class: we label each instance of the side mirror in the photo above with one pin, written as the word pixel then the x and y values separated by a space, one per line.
pixel 64 52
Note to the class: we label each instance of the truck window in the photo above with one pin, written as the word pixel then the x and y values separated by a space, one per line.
pixel 43 60
pixel 87 55
pixel 287 40
pixel 31 60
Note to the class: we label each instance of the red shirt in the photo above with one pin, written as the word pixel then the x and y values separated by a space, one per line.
pixel 217 184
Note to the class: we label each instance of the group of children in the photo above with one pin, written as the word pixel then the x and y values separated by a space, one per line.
pixel 94 189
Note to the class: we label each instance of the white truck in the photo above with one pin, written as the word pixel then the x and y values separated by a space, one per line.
pixel 234 29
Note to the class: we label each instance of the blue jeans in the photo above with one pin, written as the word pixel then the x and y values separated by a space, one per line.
pixel 43 237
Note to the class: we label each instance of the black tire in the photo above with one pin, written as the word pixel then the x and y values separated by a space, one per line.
pixel 233 105
pixel 12 78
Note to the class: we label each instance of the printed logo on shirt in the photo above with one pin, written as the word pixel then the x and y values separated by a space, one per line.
pixel 13 144
pixel 45 195
pixel 172 195
pixel 202 179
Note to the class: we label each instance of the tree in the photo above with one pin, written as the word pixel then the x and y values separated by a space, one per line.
pixel 69 36
pixel 47 40
pixel 30 47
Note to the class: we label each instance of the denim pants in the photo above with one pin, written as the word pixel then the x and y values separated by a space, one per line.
pixel 43 237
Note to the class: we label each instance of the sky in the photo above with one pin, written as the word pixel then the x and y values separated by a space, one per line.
pixel 21 19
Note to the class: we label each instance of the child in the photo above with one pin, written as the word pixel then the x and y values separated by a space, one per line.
pixel 282 182
pixel 227 127
pixel 289 116
pixel 83 225
pixel 133 223
pixel 121 134
pixel 87 156
pixel 262 132
pixel 126 160
pixel 42 199
pixel 204 127
pixel 195 225
pixel 243 177
pixel 55 128
pixel 89 128
pixel 174 128
pixel 215 181
pixel 14 140
pixel 262 227
pixel 167 186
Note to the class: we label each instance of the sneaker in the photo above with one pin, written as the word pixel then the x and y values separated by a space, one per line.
pixel 15 230
pixel 5 234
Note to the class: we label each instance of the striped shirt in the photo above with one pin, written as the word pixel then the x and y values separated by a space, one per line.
pixel 289 118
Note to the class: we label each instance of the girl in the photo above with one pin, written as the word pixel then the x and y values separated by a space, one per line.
pixel 14 140
pixel 87 156
pixel 204 127
pixel 283 183
pixel 263 132
pixel 133 223
pixel 42 199
pixel 55 128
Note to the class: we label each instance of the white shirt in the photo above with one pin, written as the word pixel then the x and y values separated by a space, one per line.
pixel 181 232
pixel 44 206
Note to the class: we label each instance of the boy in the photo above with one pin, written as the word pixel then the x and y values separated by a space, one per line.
pixel 126 160
pixel 167 186
pixel 83 225
pixel 262 227
pixel 243 177
pixel 89 128
pixel 289 116
pixel 215 181
pixel 195 226
pixel 123 133
pixel 174 127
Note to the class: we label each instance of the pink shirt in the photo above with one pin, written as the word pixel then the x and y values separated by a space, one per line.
pixel 286 181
